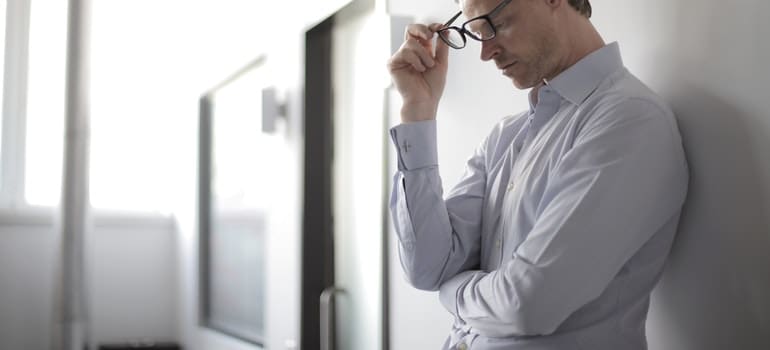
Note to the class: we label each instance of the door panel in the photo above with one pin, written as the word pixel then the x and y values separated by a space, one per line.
pixel 360 49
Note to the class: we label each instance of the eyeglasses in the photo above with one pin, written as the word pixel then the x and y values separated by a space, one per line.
pixel 478 28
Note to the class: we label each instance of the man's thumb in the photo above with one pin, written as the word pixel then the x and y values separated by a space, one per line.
pixel 442 50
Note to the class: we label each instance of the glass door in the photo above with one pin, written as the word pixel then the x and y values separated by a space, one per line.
pixel 360 46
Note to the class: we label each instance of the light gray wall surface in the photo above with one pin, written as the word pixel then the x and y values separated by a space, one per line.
pixel 131 286
pixel 26 279
pixel 708 60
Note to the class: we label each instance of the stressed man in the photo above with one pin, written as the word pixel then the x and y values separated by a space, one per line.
pixel 558 230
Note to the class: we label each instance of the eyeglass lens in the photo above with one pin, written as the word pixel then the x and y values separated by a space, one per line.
pixel 453 37
pixel 479 29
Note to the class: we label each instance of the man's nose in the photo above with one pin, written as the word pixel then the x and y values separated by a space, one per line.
pixel 489 50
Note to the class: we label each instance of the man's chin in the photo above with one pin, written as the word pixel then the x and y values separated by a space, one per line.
pixel 521 85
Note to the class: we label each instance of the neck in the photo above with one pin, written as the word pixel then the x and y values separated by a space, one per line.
pixel 579 41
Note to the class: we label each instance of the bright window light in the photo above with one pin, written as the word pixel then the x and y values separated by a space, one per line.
pixel 45 102
pixel 137 107
pixel 147 70
pixel 2 65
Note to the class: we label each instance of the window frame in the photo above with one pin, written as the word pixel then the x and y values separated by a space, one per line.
pixel 205 207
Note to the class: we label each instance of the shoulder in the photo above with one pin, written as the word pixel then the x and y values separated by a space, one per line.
pixel 624 99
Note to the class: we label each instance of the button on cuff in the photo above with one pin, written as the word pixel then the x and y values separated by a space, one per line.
pixel 415 144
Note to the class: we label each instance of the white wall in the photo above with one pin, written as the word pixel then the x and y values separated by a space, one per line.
pixel 132 284
pixel 707 58
pixel 26 279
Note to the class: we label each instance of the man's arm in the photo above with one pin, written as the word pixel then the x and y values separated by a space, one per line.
pixel 437 238
pixel 618 185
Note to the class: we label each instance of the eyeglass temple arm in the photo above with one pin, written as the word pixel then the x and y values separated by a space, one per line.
pixel 452 19
pixel 498 8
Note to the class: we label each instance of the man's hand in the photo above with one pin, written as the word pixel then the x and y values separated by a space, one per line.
pixel 418 74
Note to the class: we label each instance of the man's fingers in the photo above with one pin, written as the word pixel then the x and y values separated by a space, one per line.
pixel 415 62
pixel 405 58
pixel 434 27
pixel 421 51
pixel 442 51
pixel 417 49
pixel 418 31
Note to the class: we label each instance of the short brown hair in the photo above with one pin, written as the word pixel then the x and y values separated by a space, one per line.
pixel 582 6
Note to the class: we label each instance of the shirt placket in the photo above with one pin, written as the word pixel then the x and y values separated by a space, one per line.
pixel 548 106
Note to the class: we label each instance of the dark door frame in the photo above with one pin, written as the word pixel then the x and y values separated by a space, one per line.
pixel 317 222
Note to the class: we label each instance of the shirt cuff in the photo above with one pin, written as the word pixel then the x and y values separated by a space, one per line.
pixel 448 292
pixel 415 144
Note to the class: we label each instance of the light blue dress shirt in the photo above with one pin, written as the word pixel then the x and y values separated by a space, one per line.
pixel 559 228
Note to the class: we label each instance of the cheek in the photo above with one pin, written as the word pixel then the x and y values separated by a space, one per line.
pixel 520 41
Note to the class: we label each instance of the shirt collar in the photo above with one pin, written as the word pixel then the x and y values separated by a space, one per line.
pixel 577 82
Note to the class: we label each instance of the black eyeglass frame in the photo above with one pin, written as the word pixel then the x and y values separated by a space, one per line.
pixel 462 31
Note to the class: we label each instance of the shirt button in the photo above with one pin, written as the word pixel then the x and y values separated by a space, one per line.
pixel 497 243
pixel 462 346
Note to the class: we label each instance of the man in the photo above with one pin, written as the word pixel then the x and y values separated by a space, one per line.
pixel 558 230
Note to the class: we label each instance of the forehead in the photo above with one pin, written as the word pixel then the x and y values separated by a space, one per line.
pixel 473 8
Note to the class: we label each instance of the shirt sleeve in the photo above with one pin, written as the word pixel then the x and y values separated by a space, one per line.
pixel 623 179
pixel 438 238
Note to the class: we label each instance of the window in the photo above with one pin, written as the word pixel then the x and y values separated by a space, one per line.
pixel 2 71
pixel 2 59
pixel 15 29
pixel 240 183
pixel 137 109
pixel 45 102
pixel 34 40
pixel 131 125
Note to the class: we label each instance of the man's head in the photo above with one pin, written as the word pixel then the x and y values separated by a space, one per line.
pixel 535 39
pixel 582 6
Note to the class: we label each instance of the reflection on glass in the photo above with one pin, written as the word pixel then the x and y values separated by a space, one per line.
pixel 245 170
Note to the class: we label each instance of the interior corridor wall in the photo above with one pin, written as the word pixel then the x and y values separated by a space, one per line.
pixel 707 58
pixel 131 284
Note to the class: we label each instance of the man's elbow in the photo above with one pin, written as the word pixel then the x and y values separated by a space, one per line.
pixel 423 271
pixel 423 279
pixel 529 321
pixel 422 283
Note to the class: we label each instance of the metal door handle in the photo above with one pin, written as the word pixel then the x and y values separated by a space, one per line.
pixel 328 317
